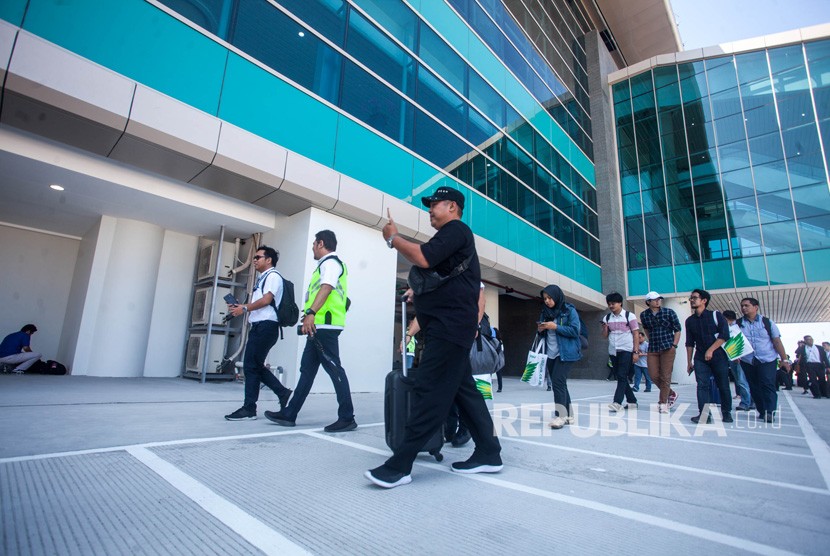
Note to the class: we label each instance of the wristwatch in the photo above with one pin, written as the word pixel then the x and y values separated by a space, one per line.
pixel 311 312
pixel 674 346
pixel 390 239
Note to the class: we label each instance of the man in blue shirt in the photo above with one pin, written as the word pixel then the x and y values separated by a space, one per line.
pixel 760 365
pixel 15 349
pixel 706 332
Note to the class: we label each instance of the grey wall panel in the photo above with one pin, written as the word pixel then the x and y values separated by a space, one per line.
pixel 167 136
pixel 52 92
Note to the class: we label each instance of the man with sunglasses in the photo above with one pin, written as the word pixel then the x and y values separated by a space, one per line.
pixel 263 334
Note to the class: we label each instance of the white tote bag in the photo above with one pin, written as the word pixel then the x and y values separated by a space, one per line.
pixel 536 364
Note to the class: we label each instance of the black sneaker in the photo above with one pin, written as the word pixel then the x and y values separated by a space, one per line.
pixel 241 414
pixel 279 418
pixel 727 418
pixel 461 439
pixel 696 419
pixel 284 398
pixel 342 425
pixel 478 464
pixel 387 478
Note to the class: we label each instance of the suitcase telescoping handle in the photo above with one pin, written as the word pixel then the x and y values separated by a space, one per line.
pixel 403 334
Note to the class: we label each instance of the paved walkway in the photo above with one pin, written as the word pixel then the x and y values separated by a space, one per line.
pixel 148 466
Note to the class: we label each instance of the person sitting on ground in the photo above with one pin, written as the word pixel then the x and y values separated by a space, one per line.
pixel 15 349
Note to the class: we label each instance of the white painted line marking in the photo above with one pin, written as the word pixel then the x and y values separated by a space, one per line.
pixel 679 439
pixel 729 476
pixel 650 520
pixel 818 446
pixel 245 525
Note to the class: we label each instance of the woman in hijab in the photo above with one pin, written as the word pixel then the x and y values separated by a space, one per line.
pixel 559 323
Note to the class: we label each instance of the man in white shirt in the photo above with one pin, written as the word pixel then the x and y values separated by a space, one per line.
pixel 262 335
pixel 622 331
pixel 814 360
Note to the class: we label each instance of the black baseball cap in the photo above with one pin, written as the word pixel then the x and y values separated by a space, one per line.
pixel 444 194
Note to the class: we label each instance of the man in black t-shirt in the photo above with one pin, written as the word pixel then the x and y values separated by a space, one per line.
pixel 448 317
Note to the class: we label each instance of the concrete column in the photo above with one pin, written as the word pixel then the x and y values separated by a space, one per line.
pixel 370 323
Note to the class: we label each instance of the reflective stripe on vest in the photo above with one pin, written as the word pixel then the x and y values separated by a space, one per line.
pixel 333 311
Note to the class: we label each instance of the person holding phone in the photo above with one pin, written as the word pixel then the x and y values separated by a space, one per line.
pixel 263 334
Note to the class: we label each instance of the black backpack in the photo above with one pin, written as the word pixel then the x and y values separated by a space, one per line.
pixel 288 313
pixel 765 320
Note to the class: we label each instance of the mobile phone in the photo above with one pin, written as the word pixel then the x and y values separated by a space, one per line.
pixel 231 300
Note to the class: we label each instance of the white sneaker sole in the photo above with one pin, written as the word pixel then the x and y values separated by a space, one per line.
pixel 240 419
pixel 405 480
pixel 480 469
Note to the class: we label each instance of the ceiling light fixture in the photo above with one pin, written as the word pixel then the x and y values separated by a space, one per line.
pixel 56 187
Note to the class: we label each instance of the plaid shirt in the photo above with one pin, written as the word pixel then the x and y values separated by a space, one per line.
pixel 661 327
pixel 702 331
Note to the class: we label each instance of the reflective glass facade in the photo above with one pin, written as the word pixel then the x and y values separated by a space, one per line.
pixel 394 69
pixel 723 170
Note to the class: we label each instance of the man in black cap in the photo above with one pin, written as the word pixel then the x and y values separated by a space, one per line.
pixel 447 308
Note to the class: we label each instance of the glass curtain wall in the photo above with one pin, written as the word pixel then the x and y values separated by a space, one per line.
pixel 723 170
pixel 379 62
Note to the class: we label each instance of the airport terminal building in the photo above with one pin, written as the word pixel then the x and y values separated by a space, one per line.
pixel 592 154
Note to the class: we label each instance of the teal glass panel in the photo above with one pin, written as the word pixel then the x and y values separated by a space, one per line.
pixel 773 207
pixel 661 279
pixel 664 76
pixel 621 92
pixel 787 65
pixel 760 117
pixel 496 226
pixel 180 61
pixel 746 240
pixel 261 103
pixel 806 169
pixel 750 271
pixel 688 277
pixel 385 58
pixel 718 275
pixel 367 157
pixel 780 237
pixel 721 74
pixel 771 177
pixel 566 261
pixel 811 200
pixel 638 282
pixel 547 252
pixel 733 156
pixel 395 17
pixel 593 276
pixel 801 140
pixel 726 103
pixel 815 232
pixel 631 204
pixel 766 148
pixel 13 10
pixel 795 109
pixel 785 269
pixel 449 26
pixel 752 66
pixel 730 129
pixel 817 265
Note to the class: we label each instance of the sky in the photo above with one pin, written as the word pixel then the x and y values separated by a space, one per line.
pixel 710 22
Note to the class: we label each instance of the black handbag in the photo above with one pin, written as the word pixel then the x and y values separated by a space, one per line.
pixel 422 280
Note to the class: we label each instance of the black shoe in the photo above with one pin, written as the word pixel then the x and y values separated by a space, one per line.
pixel 241 414
pixel 279 418
pixel 461 439
pixel 696 419
pixel 647 390
pixel 548 388
pixel 727 418
pixel 342 425
pixel 742 408
pixel 387 478
pixel 787 388
pixel 478 464
pixel 768 418
pixel 499 390
pixel 284 398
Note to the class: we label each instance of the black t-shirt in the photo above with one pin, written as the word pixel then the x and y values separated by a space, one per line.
pixel 451 311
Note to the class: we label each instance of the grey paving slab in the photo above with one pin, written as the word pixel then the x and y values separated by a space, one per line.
pixel 223 487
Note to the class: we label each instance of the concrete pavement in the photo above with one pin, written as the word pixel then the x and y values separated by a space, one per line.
pixel 149 466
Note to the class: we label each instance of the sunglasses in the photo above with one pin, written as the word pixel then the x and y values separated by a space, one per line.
pixel 258 257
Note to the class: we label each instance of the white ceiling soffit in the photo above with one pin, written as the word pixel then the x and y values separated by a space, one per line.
pixel 641 28
pixel 782 304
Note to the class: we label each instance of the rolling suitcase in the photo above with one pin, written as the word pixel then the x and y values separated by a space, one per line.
pixel 396 405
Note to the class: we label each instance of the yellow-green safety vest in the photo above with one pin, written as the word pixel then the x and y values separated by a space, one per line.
pixel 333 311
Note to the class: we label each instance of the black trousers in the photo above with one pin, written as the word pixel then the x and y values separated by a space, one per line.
pixel 444 377
pixel 261 338
pixel 818 379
